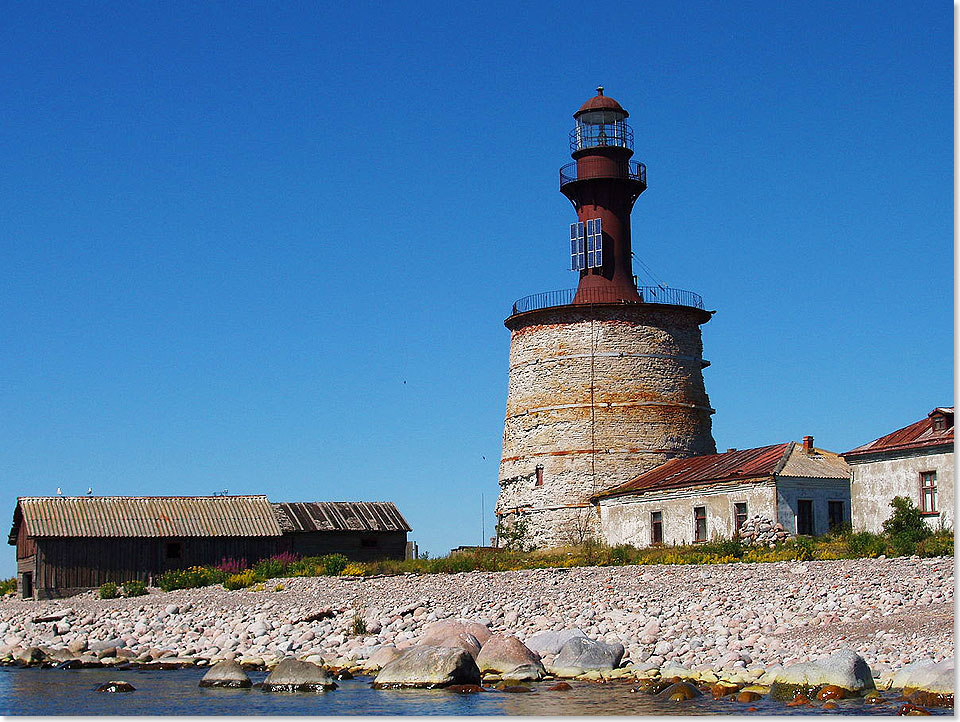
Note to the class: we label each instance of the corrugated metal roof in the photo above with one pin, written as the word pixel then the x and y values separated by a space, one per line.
pixel 820 464
pixel 711 468
pixel 146 516
pixel 340 516
pixel 918 435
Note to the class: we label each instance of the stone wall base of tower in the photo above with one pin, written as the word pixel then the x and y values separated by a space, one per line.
pixel 550 527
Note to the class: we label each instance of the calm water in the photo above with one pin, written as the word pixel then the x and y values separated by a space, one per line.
pixel 175 692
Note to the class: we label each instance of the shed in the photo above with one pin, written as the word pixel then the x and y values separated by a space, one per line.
pixel 66 544
pixel 361 530
pixel 805 489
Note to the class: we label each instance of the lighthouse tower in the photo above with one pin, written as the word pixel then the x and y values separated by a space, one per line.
pixel 605 380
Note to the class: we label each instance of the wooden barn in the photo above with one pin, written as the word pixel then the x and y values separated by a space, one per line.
pixel 66 545
pixel 363 530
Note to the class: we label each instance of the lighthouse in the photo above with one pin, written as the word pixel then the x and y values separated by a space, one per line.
pixel 605 380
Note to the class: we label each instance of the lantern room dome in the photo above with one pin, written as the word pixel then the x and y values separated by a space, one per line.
pixel 601 102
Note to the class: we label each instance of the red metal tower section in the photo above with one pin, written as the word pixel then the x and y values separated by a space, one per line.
pixel 603 183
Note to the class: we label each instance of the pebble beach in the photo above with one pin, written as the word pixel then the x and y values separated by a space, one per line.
pixel 722 620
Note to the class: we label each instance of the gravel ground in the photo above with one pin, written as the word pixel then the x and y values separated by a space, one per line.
pixel 719 617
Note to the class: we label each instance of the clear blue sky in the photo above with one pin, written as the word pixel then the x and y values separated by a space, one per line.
pixel 269 247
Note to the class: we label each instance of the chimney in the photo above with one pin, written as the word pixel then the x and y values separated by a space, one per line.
pixel 732 448
pixel 808 444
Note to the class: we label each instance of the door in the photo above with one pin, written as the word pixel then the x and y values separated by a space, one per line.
pixel 835 512
pixel 805 516
pixel 26 585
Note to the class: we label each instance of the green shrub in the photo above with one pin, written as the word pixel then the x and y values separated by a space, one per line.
pixel 905 527
pixel 803 548
pixel 723 548
pixel 8 585
pixel 359 626
pixel 240 581
pixel 268 568
pixel 622 554
pixel 866 544
pixel 190 578
pixel 108 590
pixel 333 564
pixel 134 588
pixel 940 544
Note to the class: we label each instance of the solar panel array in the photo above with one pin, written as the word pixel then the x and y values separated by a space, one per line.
pixel 586 245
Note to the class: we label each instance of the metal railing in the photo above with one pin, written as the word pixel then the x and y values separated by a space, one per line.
pixel 635 170
pixel 648 294
pixel 585 135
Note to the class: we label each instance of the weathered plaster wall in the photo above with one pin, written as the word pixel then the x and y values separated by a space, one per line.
pixel 626 519
pixel 876 482
pixel 820 491
pixel 597 395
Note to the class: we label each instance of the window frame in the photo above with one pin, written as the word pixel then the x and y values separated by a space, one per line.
pixel 736 515
pixel 696 524
pixel 656 525
pixel 935 496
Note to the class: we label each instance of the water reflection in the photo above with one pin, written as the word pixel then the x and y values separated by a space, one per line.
pixel 175 692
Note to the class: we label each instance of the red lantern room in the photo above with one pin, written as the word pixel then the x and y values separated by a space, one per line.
pixel 602 183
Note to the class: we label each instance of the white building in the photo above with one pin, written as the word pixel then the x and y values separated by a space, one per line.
pixel 805 489
pixel 916 462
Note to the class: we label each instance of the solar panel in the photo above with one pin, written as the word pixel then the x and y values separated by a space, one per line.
pixel 578 260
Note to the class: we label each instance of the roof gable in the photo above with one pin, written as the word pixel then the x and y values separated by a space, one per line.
pixel 918 435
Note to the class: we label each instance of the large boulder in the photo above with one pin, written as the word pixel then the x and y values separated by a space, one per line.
pixel 582 654
pixel 227 673
pixel 544 643
pixel 383 656
pixel 927 683
pixel 294 675
pixel 507 656
pixel 430 667
pixel 455 633
pixel 844 668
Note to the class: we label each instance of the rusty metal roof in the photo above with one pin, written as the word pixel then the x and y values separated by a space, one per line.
pixel 918 435
pixel 340 516
pixel 145 516
pixel 743 464
pixel 601 102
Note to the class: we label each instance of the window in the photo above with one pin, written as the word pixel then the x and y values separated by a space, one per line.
pixel 699 523
pixel 594 243
pixel 805 523
pixel 369 542
pixel 939 422
pixel 739 515
pixel 173 550
pixel 539 470
pixel 656 527
pixel 835 514
pixel 578 256
pixel 928 492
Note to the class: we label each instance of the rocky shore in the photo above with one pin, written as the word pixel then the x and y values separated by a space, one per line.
pixel 736 622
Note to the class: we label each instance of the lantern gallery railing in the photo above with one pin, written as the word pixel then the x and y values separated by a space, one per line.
pixel 648 294
pixel 585 135
pixel 632 169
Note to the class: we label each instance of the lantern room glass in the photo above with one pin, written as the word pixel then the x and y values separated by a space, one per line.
pixel 598 128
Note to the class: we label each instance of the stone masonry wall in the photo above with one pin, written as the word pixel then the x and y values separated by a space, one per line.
pixel 646 404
